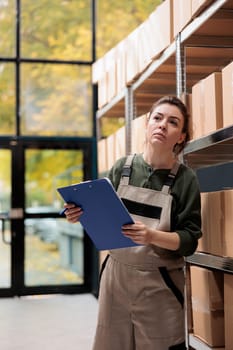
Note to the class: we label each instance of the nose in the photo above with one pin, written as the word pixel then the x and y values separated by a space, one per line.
pixel 163 124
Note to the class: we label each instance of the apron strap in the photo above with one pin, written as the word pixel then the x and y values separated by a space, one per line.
pixel 170 179
pixel 126 171
pixel 127 168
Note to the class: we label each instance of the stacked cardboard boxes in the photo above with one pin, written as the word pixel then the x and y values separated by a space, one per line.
pixel 139 134
pixel 102 156
pixel 197 6
pixel 208 305
pixel 210 323
pixel 227 88
pixel 127 60
pixel 207 107
pixel 228 310
pixel 212 223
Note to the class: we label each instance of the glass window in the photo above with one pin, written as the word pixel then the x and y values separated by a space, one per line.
pixel 54 252
pixel 56 100
pixel 46 170
pixel 54 248
pixel 7 28
pixel 7 99
pixel 5 233
pixel 59 29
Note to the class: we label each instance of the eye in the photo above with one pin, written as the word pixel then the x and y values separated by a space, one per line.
pixel 174 121
pixel 157 117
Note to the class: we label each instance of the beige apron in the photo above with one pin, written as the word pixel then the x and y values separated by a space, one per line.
pixel 141 291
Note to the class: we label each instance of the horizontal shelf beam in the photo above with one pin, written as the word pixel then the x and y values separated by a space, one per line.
pixel 155 65
pixel 224 264
pixel 215 177
pixel 116 100
pixel 205 142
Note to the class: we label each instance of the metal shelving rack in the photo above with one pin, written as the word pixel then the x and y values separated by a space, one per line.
pixel 204 46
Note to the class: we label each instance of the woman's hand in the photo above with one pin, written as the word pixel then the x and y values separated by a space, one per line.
pixel 141 234
pixel 138 232
pixel 72 212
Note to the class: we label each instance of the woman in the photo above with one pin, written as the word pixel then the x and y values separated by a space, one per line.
pixel 141 290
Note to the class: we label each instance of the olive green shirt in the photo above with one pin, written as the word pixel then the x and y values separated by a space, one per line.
pixel 186 204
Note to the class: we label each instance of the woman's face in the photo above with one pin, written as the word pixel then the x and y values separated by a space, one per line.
pixel 164 128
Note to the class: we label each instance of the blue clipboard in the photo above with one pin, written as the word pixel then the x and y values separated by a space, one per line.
pixel 103 212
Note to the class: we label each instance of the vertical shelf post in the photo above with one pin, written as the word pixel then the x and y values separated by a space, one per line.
pixel 180 68
pixel 129 116
pixel 181 93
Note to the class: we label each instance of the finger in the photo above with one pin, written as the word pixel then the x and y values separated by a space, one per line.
pixel 69 205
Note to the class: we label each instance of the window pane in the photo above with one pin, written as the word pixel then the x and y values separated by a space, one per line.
pixel 5 202
pixel 7 28
pixel 54 248
pixel 56 100
pixel 54 252
pixel 46 170
pixel 56 29
pixel 7 99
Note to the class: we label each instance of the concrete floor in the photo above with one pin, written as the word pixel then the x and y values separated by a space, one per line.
pixel 48 322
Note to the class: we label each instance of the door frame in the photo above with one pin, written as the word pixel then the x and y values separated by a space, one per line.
pixel 18 147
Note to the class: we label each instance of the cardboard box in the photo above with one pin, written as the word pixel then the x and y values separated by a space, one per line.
pixel 99 77
pixel 145 45
pixel 197 108
pixel 120 66
pixel 98 69
pixel 120 143
pixel 102 156
pixel 187 99
pixel 104 73
pixel 160 23
pixel 227 223
pixel 111 150
pixel 138 134
pixel 213 110
pixel 198 6
pixel 102 91
pixel 182 15
pixel 132 68
pixel 227 88
pixel 228 307
pixel 212 223
pixel 208 305
pixel 110 66
pixel 207 116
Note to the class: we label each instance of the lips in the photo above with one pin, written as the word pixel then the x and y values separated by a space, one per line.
pixel 159 135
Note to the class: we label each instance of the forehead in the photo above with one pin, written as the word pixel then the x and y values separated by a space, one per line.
pixel 168 110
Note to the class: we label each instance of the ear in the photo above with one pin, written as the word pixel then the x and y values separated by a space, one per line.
pixel 182 138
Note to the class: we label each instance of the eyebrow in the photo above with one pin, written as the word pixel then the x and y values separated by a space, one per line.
pixel 170 116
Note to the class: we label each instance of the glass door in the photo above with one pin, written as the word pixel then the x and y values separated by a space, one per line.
pixel 5 232
pixel 42 252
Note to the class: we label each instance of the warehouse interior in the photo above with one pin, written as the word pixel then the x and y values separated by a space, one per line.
pixel 182 48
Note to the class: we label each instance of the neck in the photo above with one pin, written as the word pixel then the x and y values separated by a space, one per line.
pixel 158 161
